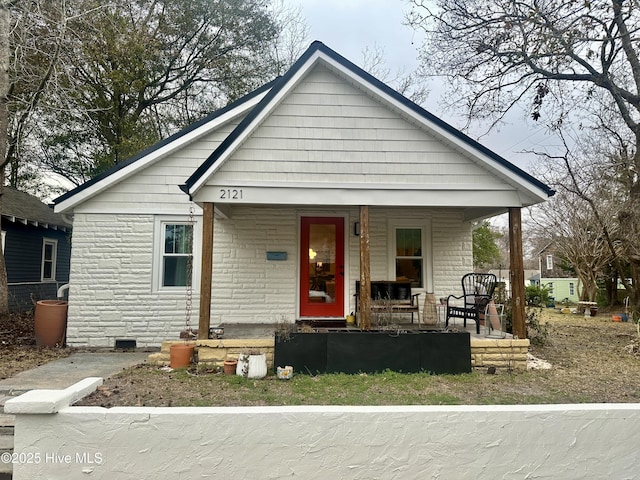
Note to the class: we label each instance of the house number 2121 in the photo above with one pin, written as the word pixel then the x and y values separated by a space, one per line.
pixel 231 194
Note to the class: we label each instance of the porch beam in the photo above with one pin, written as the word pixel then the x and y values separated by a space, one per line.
pixel 364 298
pixel 516 272
pixel 204 321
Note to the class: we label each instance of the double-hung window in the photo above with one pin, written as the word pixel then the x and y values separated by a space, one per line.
pixel 549 262
pixel 48 266
pixel 409 255
pixel 174 251
pixel 177 259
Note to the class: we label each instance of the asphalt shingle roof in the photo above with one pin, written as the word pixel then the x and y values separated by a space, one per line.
pixel 20 206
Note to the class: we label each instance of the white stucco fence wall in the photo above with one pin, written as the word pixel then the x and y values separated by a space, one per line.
pixel 363 442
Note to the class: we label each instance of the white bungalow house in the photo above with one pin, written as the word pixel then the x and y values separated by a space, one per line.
pixel 281 181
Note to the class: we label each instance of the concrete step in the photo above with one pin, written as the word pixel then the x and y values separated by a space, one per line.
pixel 6 442
pixel 7 420
pixel 7 423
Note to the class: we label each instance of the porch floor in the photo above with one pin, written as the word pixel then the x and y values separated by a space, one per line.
pixel 266 330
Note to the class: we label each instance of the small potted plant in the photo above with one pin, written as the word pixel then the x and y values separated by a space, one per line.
pixel 230 366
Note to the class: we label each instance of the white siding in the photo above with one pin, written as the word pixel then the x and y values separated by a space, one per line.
pixel 449 248
pixel 156 188
pixel 111 293
pixel 327 131
pixel 246 286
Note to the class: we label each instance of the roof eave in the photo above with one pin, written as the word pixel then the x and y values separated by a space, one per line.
pixel 89 189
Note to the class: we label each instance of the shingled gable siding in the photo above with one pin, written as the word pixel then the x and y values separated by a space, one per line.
pixel 327 131
pixel 111 294
pixel 155 189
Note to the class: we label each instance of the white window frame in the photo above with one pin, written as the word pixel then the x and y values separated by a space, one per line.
pixel 427 264
pixel 158 252
pixel 54 256
pixel 572 289
pixel 549 262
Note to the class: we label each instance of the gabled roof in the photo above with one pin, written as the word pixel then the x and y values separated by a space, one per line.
pixel 318 52
pixel 159 150
pixel 258 105
pixel 20 207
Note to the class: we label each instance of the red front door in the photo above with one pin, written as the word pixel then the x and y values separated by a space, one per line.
pixel 322 267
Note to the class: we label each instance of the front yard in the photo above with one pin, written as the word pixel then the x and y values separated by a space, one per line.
pixel 593 360
pixel 18 350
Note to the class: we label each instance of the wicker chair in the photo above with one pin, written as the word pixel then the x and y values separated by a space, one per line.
pixel 477 292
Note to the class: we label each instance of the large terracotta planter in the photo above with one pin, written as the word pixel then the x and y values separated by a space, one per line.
pixel 181 354
pixel 50 323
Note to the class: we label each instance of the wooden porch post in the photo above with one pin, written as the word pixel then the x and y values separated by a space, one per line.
pixel 516 272
pixel 364 309
pixel 206 271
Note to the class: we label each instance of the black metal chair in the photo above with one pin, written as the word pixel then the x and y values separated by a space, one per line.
pixel 477 292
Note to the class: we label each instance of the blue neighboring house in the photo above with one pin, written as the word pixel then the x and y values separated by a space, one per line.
pixel 37 247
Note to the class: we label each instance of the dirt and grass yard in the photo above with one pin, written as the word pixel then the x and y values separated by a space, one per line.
pixel 18 350
pixel 592 360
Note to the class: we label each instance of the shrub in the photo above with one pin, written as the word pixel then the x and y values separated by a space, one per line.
pixel 537 332
pixel 537 295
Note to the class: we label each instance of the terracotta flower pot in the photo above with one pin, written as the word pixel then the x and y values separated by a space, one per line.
pixel 181 354
pixel 230 367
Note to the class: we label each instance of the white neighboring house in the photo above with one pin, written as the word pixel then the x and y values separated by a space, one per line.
pixel 286 170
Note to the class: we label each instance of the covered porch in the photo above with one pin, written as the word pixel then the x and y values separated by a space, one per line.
pixel 341 283
pixel 366 185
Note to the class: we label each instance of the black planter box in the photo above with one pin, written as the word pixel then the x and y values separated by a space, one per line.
pixel 374 351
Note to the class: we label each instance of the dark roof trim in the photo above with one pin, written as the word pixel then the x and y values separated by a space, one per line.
pixel 166 141
pixel 283 81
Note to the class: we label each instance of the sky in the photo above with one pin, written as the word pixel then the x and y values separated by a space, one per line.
pixel 350 26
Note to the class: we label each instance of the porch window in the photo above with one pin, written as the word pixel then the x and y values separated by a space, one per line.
pixel 49 253
pixel 178 246
pixel 409 257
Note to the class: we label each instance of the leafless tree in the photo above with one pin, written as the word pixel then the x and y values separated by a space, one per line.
pixel 570 61
pixel 31 36
pixel 293 36
pixel 409 84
